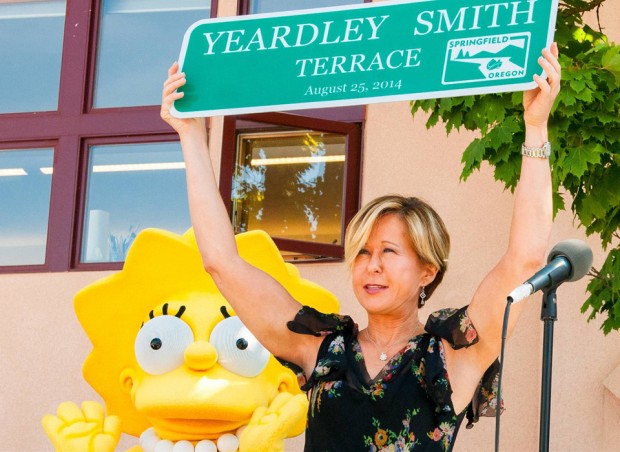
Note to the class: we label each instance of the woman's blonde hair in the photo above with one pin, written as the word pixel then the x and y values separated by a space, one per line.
pixel 428 235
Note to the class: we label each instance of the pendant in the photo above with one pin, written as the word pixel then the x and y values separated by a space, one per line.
pixel 383 356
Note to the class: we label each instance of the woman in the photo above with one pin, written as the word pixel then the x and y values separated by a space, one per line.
pixel 388 384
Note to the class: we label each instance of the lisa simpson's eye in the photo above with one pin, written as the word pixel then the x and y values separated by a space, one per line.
pixel 160 344
pixel 237 349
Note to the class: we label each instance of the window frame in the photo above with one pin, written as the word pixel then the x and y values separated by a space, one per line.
pixel 76 262
pixel 233 125
pixel 34 144
pixel 243 7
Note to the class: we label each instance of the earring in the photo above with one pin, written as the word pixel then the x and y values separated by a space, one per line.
pixel 422 298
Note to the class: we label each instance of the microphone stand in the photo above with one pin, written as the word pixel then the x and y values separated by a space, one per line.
pixel 548 315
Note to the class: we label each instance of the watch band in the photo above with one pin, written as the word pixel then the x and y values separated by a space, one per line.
pixel 541 152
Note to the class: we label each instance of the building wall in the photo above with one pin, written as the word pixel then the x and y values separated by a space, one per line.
pixel 42 346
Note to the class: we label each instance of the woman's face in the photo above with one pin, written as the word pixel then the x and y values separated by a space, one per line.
pixel 387 273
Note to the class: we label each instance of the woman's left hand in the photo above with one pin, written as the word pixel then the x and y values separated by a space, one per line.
pixel 539 101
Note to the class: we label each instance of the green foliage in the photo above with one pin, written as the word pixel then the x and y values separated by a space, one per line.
pixel 605 292
pixel 585 132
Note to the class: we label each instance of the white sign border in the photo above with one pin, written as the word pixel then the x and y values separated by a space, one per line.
pixel 346 102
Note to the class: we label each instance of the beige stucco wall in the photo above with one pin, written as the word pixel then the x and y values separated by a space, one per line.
pixel 42 346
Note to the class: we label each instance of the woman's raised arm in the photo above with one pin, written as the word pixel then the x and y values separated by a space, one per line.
pixel 260 301
pixel 528 241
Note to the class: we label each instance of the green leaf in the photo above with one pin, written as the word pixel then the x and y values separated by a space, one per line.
pixel 445 104
pixel 578 159
pixel 577 84
pixel 472 158
pixel 585 95
pixel 432 120
pixel 558 202
pixel 611 61
pixel 468 101
pixel 605 292
pixel 590 208
pixel 508 172
pixel 455 121
pixel 566 97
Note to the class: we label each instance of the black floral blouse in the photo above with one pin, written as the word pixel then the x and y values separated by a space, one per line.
pixel 407 406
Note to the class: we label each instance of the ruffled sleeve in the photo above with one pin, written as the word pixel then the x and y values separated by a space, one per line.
pixel 455 326
pixel 310 321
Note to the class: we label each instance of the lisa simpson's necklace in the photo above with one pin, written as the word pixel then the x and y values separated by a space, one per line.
pixel 383 355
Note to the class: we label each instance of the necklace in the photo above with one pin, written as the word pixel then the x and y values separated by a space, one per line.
pixel 383 355
pixel 225 443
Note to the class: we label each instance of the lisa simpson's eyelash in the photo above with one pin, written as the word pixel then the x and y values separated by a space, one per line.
pixel 164 311
pixel 224 312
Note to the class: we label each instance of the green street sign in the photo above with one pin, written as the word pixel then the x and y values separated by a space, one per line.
pixel 375 52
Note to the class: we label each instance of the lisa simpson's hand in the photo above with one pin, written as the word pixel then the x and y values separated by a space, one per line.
pixel 82 430
pixel 174 81
pixel 284 418
pixel 538 102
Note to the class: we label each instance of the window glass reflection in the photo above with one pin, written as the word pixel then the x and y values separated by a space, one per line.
pixel 132 187
pixel 25 187
pixel 270 6
pixel 31 36
pixel 290 184
pixel 138 41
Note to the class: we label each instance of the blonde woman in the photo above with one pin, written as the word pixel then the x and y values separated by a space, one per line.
pixel 386 386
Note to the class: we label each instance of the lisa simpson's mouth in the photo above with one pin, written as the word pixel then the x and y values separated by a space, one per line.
pixel 194 429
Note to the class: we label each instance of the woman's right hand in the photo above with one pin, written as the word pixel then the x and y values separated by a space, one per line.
pixel 174 81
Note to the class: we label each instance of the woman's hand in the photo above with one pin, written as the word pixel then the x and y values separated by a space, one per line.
pixel 176 80
pixel 538 102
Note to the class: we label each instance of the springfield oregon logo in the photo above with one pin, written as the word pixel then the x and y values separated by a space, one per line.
pixel 495 57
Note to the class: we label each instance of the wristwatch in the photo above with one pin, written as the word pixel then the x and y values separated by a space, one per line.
pixel 541 152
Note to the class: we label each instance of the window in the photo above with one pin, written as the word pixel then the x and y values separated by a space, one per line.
pixel 25 185
pixel 138 41
pixel 31 35
pixel 131 186
pixel 72 56
pixel 296 178
pixel 290 184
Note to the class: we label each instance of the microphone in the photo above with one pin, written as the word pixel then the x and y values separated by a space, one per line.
pixel 569 260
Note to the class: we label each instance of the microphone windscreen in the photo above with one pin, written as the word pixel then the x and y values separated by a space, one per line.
pixel 578 253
